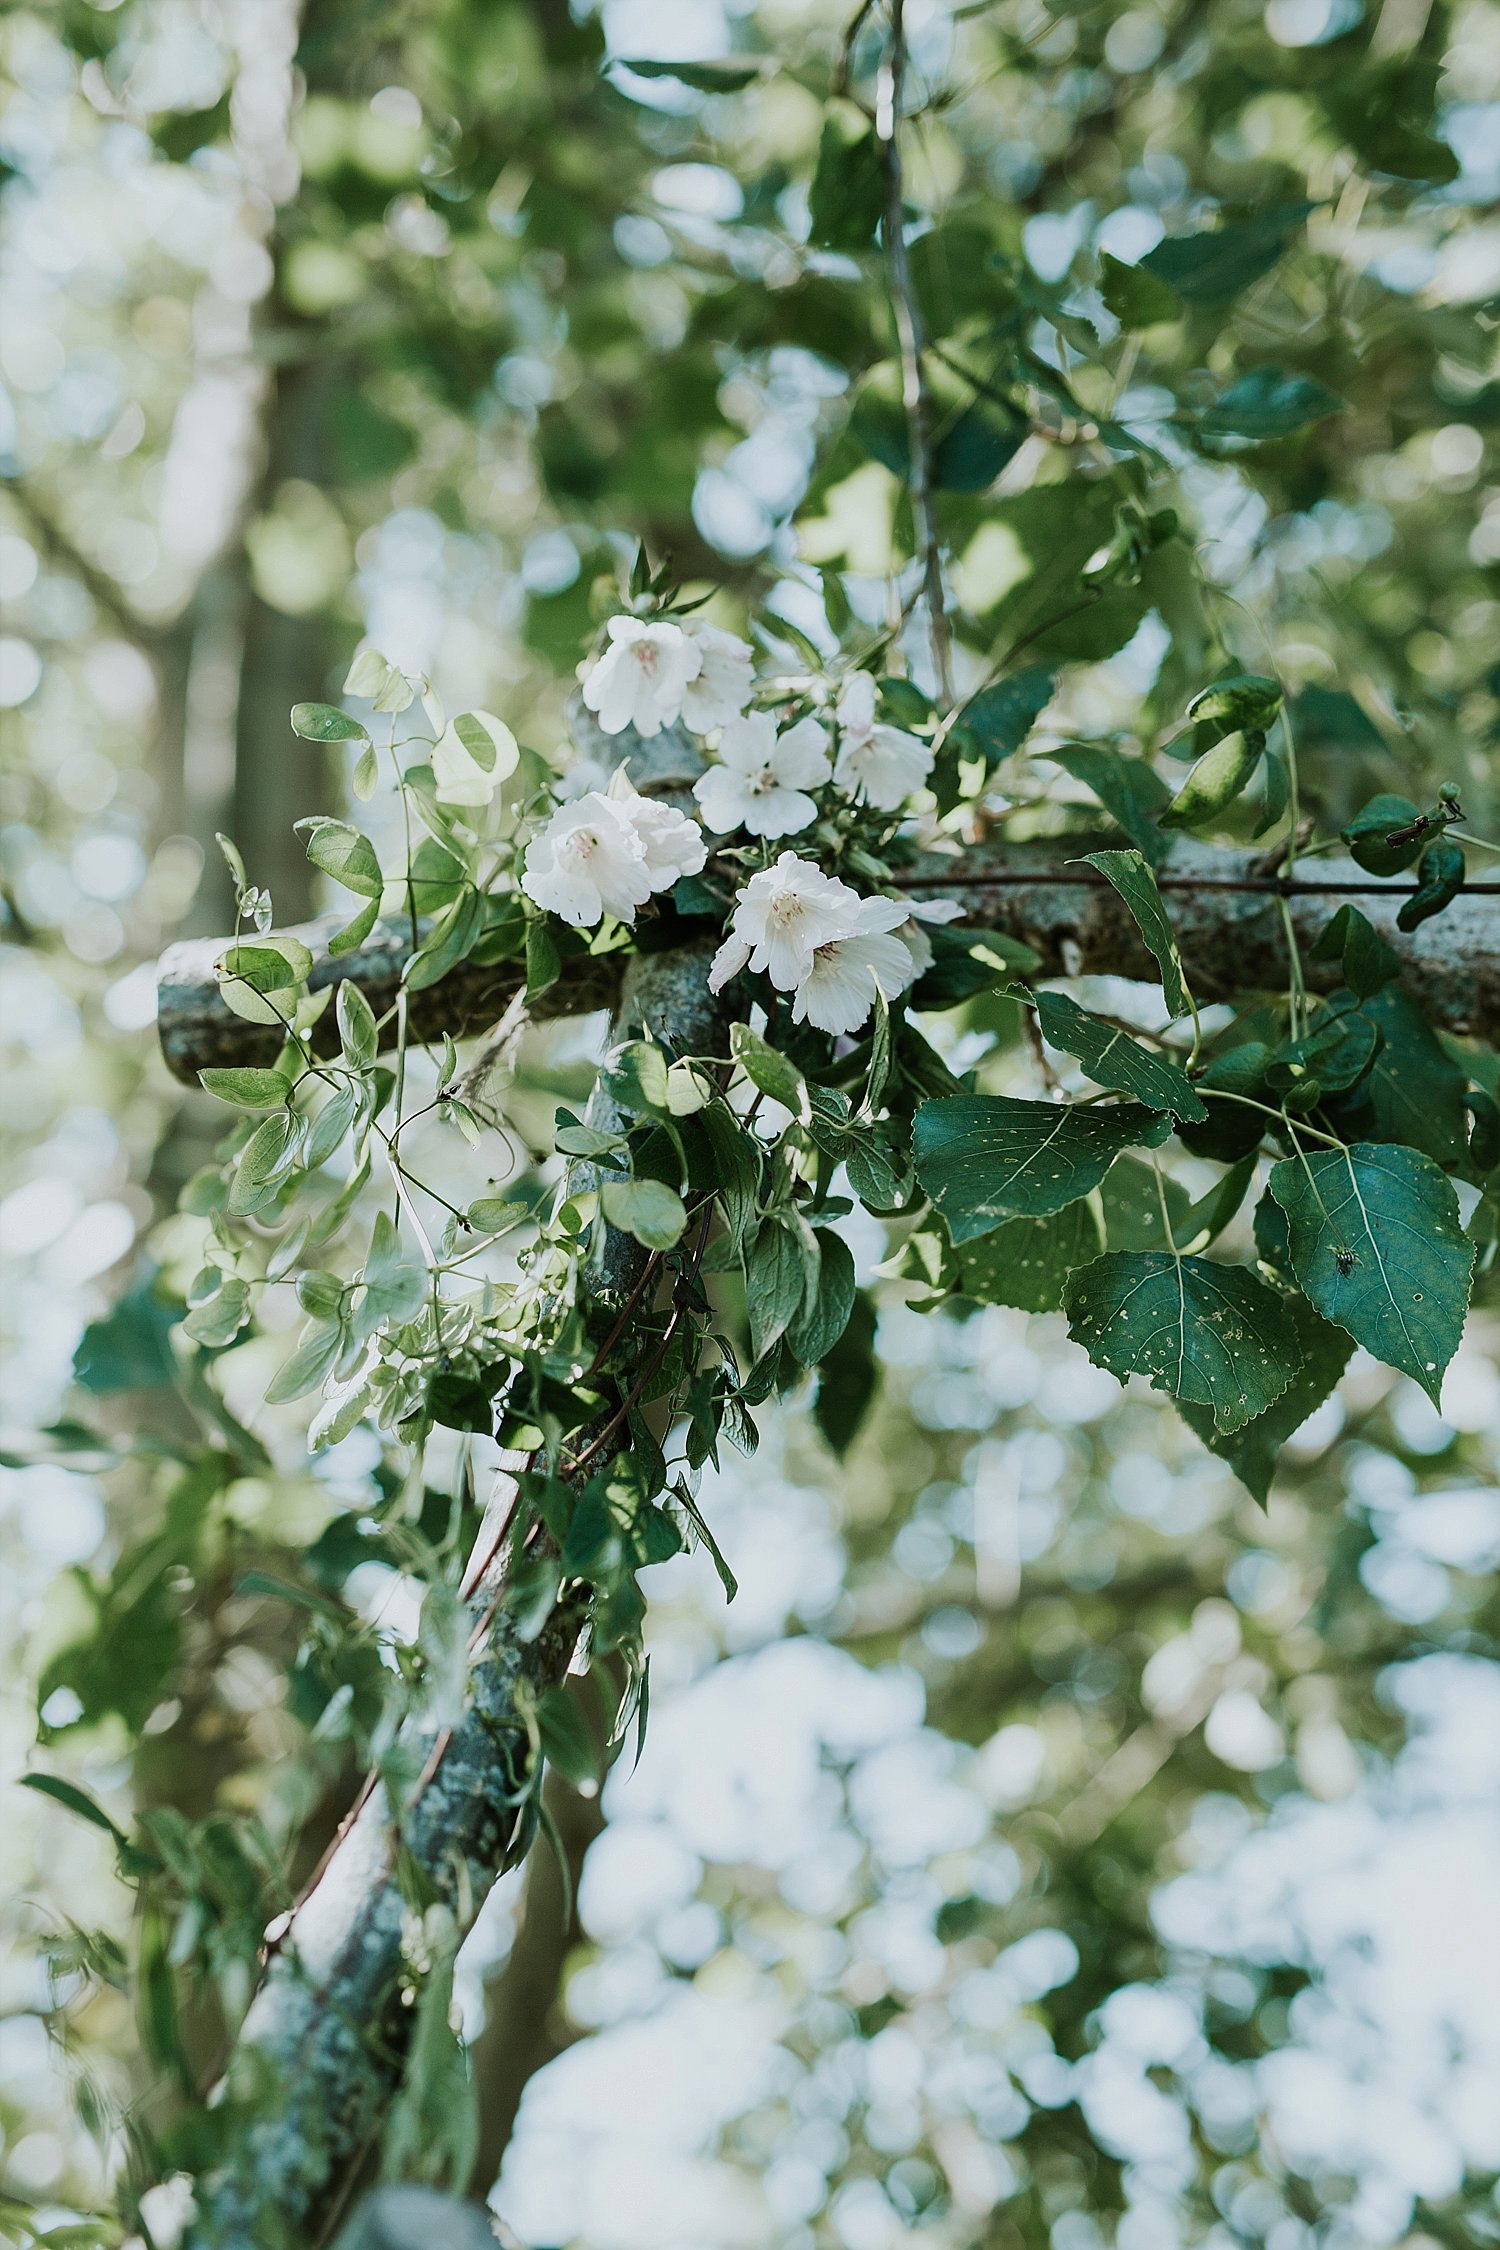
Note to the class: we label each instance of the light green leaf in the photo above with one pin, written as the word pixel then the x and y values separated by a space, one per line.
pixel 346 854
pixel 648 1209
pixel 1215 781
pixel 984 1158
pixel 770 1071
pixel 309 1366
pixel 448 944
pixel 248 1089
pixel 1112 1058
pixel 358 1031
pixel 1216 1336
pixel 492 1214
pixel 1377 1245
pixel 353 934
pixel 324 722
pixel 635 1077
pixel 1136 884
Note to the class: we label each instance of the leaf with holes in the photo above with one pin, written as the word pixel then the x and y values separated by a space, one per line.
pixel 1252 1450
pixel 1212 1335
pixel 1377 1245
pixel 1027 1262
pixel 984 1158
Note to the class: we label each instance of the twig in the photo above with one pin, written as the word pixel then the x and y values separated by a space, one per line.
pixel 914 392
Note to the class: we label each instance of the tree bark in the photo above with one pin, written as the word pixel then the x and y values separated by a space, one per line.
pixel 320 2054
pixel 1226 910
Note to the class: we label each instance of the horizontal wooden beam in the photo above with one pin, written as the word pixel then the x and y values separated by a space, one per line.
pixel 1226 906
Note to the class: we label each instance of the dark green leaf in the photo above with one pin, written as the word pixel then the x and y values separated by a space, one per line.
pixel 727 77
pixel 1440 877
pixel 1137 297
pixel 1026 1262
pixel 1130 791
pixel 1253 1450
pixel 1213 1335
pixel 847 196
pixel 775 1285
pixel 1001 716
pixel 814 1335
pixel 1369 834
pixel 1212 269
pixel 847 1379
pixel 1112 1058
pixel 984 1158
pixel 770 1071
pixel 1268 403
pixel 1368 961
pixel 1377 1245
pixel 1136 884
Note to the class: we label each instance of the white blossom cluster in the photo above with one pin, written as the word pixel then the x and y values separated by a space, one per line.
pixel 607 850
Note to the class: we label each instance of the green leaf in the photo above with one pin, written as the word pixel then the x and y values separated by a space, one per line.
pixel 1252 1450
pixel 246 1088
pixel 566 1741
pixel 648 1209
pixel 1215 781
pixel 775 1285
pixel 1130 791
pixel 1137 297
pixel 1132 1200
pixel 1369 834
pixel 309 1366
pixel 259 1163
pixel 346 854
pixel 1440 878
pixel 847 1379
pixel 1214 1335
pixel 1368 961
pixel 1414 1091
pixel 1026 1262
pixel 323 722
pixel 727 77
pixel 1001 716
pixel 1136 884
pixel 1112 1058
pixel 635 1078
pixel 813 1336
pixel 1268 403
pixel 1212 269
pixel 448 944
pixel 492 1214
pixel 770 1071
pixel 353 934
pixel 543 961
pixel 984 1158
pixel 847 197
pixel 1377 1245
pixel 75 1800
pixel 1244 702
pixel 358 1032
pixel 1337 1051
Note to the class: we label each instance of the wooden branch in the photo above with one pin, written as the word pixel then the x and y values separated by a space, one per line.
pixel 1225 905
pixel 320 2054
pixel 1226 909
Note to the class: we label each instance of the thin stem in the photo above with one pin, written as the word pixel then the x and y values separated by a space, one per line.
pixel 914 392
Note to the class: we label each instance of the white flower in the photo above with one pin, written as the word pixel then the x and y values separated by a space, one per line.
pixel 839 990
pixel 761 779
pixel 877 763
pixel 641 678
pixel 722 686
pixel 473 755
pixel 672 843
pixel 912 935
pixel 587 862
pixel 781 917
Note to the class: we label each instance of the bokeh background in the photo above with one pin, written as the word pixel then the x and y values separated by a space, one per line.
pixel 1047 1847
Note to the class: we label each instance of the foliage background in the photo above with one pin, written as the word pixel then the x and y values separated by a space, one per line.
pixel 1100 1860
